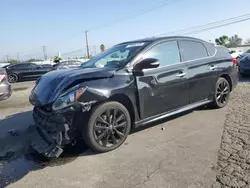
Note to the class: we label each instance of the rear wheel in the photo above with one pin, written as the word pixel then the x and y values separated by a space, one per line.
pixel 12 78
pixel 221 94
pixel 108 127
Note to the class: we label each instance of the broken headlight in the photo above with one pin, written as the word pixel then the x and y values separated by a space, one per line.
pixel 68 99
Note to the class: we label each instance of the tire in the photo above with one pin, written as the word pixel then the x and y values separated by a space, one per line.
pixel 221 98
pixel 101 130
pixel 12 78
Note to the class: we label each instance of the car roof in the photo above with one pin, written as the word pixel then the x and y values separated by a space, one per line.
pixel 154 39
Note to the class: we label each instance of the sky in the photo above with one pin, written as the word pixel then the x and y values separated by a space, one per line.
pixel 27 25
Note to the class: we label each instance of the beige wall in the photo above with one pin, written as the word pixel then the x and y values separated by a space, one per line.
pixel 243 48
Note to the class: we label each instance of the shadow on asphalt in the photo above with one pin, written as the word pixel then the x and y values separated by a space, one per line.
pixel 17 159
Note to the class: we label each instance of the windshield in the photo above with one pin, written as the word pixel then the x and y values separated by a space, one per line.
pixel 115 57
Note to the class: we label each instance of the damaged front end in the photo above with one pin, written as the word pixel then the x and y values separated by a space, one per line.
pixel 55 124
pixel 51 131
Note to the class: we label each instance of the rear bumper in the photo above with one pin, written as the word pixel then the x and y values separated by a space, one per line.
pixel 234 78
pixel 5 91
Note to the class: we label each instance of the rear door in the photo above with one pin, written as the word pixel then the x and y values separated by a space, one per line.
pixel 36 71
pixel 164 88
pixel 202 69
pixel 21 70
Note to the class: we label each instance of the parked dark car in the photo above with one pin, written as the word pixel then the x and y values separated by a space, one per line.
pixel 244 65
pixel 5 87
pixel 25 71
pixel 145 81
pixel 67 64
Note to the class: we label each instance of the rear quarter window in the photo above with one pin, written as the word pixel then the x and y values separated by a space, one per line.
pixel 192 50
pixel 210 48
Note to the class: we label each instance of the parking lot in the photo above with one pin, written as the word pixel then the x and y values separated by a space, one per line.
pixel 178 152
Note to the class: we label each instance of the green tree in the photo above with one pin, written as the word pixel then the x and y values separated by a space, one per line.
pixel 57 59
pixel 34 60
pixel 102 47
pixel 234 41
pixel 13 61
pixel 222 41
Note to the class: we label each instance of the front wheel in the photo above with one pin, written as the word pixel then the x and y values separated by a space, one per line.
pixel 108 127
pixel 221 94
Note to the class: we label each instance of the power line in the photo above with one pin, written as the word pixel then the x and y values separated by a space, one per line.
pixel 154 6
pixel 209 26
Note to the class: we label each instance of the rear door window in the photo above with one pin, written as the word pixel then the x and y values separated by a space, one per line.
pixel 191 50
pixel 20 66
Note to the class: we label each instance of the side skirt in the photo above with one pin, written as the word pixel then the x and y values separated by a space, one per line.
pixel 171 113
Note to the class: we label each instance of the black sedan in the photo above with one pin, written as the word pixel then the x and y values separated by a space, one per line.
pixel 25 71
pixel 147 80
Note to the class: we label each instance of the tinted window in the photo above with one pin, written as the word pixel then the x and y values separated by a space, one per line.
pixel 19 66
pixel 210 48
pixel 191 50
pixel 167 53
pixel 30 65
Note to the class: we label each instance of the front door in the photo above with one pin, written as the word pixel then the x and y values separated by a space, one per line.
pixel 202 69
pixel 164 88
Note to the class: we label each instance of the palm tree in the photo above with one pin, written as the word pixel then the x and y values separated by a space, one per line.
pixel 102 47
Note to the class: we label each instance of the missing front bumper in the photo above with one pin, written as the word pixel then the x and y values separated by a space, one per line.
pixel 50 132
pixel 43 143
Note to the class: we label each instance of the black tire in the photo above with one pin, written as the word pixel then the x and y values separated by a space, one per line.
pixel 221 93
pixel 12 78
pixel 106 131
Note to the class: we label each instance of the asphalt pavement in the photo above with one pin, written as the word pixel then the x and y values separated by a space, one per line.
pixel 178 152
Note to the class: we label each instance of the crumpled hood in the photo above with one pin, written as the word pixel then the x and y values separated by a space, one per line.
pixel 51 85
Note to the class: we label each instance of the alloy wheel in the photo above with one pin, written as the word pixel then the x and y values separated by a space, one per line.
pixel 12 78
pixel 222 92
pixel 110 127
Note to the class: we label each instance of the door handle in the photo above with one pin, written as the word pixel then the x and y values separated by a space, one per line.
pixel 181 74
pixel 212 67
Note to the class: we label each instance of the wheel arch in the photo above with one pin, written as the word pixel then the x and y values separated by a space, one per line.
pixel 125 101
pixel 229 79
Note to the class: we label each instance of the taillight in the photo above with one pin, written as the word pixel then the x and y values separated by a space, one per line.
pixel 234 60
pixel 2 77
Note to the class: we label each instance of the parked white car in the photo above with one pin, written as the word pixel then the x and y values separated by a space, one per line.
pixel 236 53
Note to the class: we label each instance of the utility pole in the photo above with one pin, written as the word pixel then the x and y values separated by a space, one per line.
pixel 7 58
pixel 17 55
pixel 95 49
pixel 44 52
pixel 87 45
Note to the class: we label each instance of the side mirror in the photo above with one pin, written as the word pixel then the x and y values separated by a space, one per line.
pixel 148 63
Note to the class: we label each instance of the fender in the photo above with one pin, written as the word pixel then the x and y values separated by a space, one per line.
pixel 101 90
